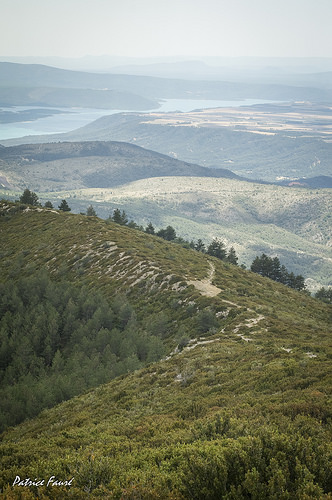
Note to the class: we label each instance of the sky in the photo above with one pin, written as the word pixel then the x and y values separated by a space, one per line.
pixel 160 28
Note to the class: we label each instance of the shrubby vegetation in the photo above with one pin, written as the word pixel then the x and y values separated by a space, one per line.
pixel 241 410
pixel 265 266
pixel 207 424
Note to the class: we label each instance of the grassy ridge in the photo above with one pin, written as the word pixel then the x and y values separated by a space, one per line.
pixel 239 411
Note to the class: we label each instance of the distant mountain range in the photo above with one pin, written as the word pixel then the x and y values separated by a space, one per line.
pixel 104 164
pixel 34 84
pixel 303 71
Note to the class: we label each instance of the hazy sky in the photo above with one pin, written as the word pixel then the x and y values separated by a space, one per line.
pixel 149 28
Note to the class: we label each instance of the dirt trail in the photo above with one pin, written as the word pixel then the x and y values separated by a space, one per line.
pixel 205 286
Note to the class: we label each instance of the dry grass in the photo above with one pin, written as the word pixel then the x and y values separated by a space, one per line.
pixel 253 119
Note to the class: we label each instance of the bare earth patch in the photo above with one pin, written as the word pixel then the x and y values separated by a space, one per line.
pixel 205 286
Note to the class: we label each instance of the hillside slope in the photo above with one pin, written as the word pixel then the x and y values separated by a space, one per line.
pixel 91 164
pixel 291 223
pixel 242 411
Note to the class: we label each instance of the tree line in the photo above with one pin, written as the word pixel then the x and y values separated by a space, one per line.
pixel 215 249
pixel 30 198
pixel 270 267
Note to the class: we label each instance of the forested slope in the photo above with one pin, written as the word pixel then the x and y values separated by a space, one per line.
pixel 240 406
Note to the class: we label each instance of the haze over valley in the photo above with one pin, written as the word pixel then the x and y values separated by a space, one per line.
pixel 165 249
pixel 261 132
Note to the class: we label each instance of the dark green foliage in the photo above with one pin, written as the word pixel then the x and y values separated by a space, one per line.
pixel 206 320
pixel 271 268
pixel 217 249
pixel 48 204
pixel 149 229
pixel 58 340
pixel 262 467
pixel 324 294
pixel 119 217
pixel 30 198
pixel 232 257
pixel 168 234
pixel 64 206
pixel 91 211
pixel 199 246
pixel 158 324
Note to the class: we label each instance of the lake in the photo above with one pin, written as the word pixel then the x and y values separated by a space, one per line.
pixel 72 118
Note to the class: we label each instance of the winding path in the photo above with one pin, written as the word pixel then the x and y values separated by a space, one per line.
pixel 205 286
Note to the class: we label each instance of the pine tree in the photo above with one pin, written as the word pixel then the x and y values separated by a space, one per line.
pixel 119 217
pixel 217 249
pixel 271 268
pixel 91 211
pixel 263 265
pixel 30 198
pixel 168 234
pixel 232 257
pixel 275 269
pixel 64 206
pixel 149 229
pixel 299 283
pixel 199 246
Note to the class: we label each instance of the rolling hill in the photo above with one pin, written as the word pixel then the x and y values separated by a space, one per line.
pixel 270 142
pixel 238 408
pixel 199 202
pixel 268 154
pixel 89 164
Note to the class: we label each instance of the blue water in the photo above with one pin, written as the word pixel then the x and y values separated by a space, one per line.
pixel 73 118
pixel 70 119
